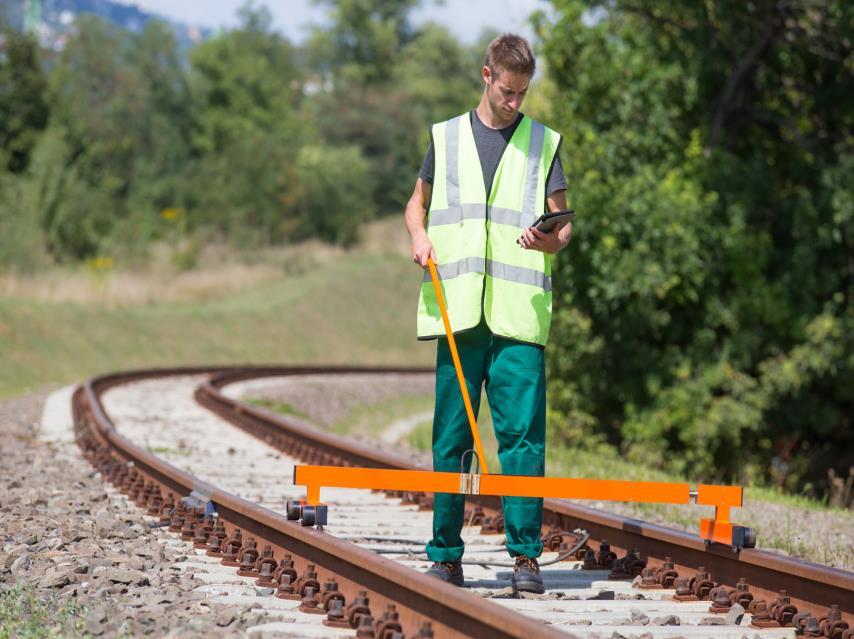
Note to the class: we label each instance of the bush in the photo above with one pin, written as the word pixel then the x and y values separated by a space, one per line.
pixel 335 186
pixel 21 237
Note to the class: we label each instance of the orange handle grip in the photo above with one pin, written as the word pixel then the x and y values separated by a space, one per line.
pixel 434 274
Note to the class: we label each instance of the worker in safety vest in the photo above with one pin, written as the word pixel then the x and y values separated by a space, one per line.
pixel 488 174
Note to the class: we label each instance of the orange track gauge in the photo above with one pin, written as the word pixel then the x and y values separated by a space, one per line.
pixel 310 511
pixel 718 529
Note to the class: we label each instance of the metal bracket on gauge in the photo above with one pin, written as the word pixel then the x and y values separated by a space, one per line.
pixel 469 484
pixel 469 481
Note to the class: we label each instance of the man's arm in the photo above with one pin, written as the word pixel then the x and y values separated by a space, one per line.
pixel 416 211
pixel 557 238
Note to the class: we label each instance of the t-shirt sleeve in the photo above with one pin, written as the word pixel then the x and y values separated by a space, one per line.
pixel 426 172
pixel 556 180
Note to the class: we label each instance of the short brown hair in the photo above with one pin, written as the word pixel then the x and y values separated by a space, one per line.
pixel 511 53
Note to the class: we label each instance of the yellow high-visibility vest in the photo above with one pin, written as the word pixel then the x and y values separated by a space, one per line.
pixel 482 268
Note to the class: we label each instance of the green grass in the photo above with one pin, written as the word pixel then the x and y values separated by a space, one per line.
pixel 366 419
pixel 370 420
pixel 282 408
pixel 359 309
pixel 420 438
pixel 23 615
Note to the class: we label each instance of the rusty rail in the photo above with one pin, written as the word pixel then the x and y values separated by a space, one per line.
pixel 419 605
pixel 809 586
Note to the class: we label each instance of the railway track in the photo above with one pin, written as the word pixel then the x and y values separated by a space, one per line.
pixel 361 575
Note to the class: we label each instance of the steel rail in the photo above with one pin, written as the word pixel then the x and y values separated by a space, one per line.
pixel 418 598
pixel 810 586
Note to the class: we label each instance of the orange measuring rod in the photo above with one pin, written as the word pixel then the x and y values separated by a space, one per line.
pixel 718 529
pixel 452 344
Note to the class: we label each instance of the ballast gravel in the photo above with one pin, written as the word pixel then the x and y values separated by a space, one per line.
pixel 70 538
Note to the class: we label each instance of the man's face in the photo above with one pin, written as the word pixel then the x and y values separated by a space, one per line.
pixel 505 92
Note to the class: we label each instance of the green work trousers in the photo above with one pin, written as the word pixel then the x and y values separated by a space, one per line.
pixel 514 376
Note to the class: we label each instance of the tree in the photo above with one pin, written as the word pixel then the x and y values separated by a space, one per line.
pixel 245 82
pixel 122 111
pixel 378 84
pixel 439 76
pixel 709 286
pixel 363 42
pixel 247 90
pixel 23 106
pixel 335 187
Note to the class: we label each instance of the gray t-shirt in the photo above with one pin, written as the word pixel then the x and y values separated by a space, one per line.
pixel 490 145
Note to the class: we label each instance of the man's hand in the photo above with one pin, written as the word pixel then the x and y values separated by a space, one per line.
pixel 554 240
pixel 422 248
pixel 550 242
pixel 416 209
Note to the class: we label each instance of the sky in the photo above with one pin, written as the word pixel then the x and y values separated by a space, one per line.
pixel 464 18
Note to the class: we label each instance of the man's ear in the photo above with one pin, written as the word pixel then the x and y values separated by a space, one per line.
pixel 486 74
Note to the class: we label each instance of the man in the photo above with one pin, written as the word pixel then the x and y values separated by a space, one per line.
pixel 487 176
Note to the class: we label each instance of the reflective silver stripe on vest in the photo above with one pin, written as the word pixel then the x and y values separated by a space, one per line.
pixel 452 161
pixel 457 214
pixel 519 274
pixel 498 270
pixel 510 217
pixel 460 267
pixel 529 201
pixel 497 215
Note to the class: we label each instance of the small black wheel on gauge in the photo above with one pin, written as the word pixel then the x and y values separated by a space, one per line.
pixel 307 518
pixel 293 509
pixel 749 538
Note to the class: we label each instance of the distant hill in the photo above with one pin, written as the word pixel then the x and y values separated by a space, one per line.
pixel 57 19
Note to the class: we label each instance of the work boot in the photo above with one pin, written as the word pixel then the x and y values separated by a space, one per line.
pixel 526 576
pixel 450 571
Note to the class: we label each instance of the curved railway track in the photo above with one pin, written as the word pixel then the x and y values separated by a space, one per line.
pixel 358 572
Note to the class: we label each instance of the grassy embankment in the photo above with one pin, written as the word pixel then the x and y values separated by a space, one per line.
pixel 308 304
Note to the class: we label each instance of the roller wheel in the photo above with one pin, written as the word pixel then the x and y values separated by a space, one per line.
pixel 749 538
pixel 294 509
pixel 307 518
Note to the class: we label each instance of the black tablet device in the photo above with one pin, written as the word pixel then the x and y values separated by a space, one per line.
pixel 546 222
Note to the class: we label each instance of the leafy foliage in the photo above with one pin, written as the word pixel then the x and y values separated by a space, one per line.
pixel 23 107
pixel 704 320
pixel 248 138
pixel 380 84
pixel 335 193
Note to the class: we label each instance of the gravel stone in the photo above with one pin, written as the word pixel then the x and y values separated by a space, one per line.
pixel 95 619
pixel 122 576
pixel 56 578
pixel 734 615
pixel 20 566
pixel 69 536
pixel 639 618
pixel 225 616
pixel 667 620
